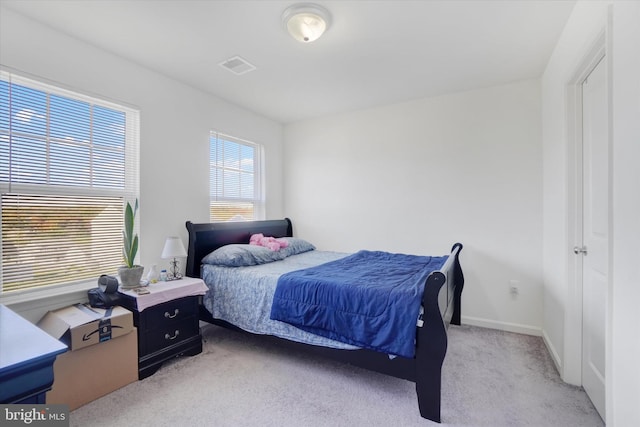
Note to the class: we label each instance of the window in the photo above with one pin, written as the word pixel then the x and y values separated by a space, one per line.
pixel 235 179
pixel 68 164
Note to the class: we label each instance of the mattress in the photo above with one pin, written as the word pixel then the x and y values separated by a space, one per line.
pixel 243 296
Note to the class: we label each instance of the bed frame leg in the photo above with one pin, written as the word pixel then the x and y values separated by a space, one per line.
pixel 429 376
pixel 431 347
pixel 428 391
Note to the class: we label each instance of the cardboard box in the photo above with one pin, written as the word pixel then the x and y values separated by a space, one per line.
pixel 91 368
pixel 81 325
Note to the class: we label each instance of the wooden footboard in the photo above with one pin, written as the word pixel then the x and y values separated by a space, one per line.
pixel 441 303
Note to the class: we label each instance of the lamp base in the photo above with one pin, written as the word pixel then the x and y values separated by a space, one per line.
pixel 174 270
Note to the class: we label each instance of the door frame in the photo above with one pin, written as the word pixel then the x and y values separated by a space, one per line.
pixel 572 363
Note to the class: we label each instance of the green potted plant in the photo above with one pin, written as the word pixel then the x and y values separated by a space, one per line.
pixel 130 273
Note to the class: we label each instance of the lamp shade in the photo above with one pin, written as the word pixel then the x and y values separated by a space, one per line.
pixel 173 248
pixel 306 22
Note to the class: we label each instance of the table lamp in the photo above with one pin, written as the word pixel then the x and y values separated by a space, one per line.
pixel 173 248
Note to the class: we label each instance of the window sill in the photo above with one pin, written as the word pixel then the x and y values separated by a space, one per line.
pixel 33 304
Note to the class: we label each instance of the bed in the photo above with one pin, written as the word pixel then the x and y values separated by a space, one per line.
pixel 419 358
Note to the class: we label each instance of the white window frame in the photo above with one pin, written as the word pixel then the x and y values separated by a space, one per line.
pixel 257 199
pixel 129 192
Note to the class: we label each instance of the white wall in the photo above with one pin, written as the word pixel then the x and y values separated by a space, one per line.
pixel 620 21
pixel 175 125
pixel 418 176
pixel 624 385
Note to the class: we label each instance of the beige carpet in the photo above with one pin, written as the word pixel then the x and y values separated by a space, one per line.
pixel 490 378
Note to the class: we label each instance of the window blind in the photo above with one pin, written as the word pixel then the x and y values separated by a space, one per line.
pixel 68 164
pixel 49 240
pixel 235 179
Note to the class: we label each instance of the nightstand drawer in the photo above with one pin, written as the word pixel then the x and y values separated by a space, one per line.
pixel 162 337
pixel 168 313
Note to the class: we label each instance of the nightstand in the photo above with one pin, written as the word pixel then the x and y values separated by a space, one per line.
pixel 167 320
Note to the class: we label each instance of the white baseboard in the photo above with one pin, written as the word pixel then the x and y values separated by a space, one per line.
pixel 521 329
pixel 552 351
pixel 502 326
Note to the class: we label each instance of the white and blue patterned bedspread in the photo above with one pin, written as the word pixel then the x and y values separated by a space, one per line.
pixel 243 296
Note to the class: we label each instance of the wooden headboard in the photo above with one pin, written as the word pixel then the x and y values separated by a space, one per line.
pixel 207 237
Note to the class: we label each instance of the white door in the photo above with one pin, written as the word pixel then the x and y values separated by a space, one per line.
pixel 594 251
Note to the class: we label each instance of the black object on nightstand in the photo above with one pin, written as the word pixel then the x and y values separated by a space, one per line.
pixel 165 330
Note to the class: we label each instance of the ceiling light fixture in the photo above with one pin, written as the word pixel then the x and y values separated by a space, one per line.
pixel 306 22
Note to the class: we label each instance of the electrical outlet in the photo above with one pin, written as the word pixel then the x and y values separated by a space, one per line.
pixel 514 288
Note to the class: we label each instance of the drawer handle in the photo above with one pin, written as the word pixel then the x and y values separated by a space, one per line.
pixel 171 316
pixel 169 337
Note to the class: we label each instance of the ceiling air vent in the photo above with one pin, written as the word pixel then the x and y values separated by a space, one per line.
pixel 237 65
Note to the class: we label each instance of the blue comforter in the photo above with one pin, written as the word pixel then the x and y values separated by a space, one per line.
pixel 369 299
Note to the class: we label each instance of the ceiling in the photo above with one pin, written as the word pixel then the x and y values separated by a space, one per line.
pixel 374 53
